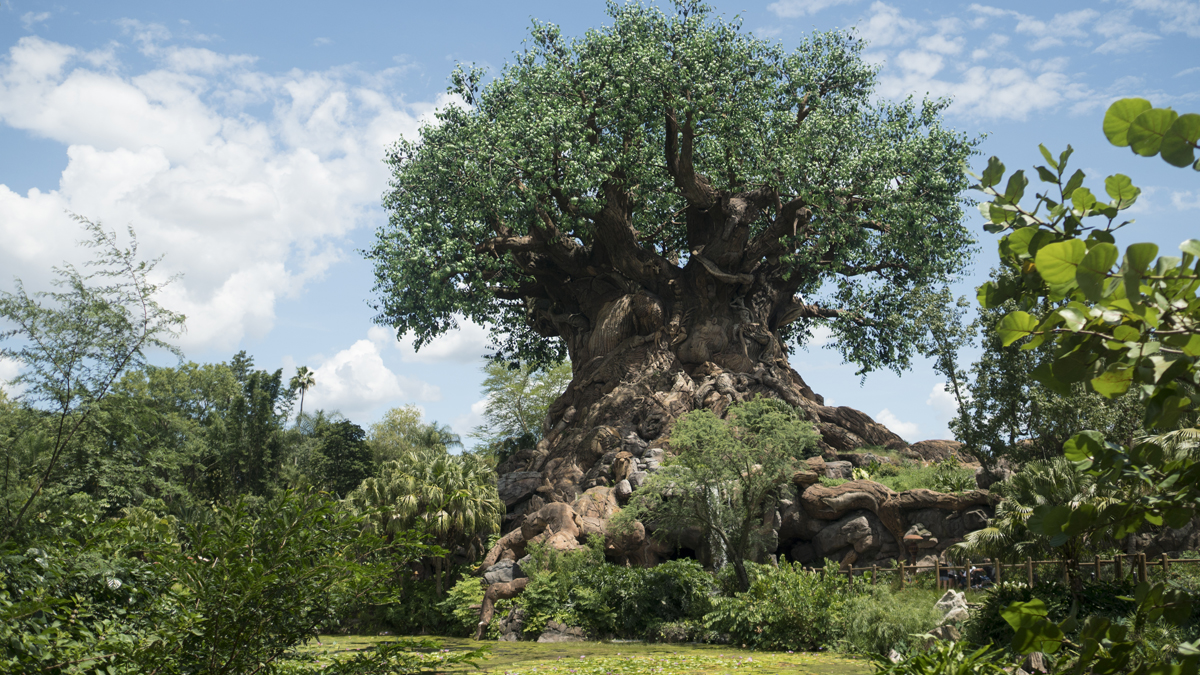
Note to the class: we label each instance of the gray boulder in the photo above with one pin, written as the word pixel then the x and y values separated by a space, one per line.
pixel 561 632
pixel 839 469
pixel 500 573
pixel 516 486
pixel 622 490
pixel 853 529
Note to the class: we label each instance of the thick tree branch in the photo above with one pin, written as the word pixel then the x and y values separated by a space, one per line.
pixel 792 220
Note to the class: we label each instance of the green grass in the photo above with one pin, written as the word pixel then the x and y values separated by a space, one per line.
pixel 619 658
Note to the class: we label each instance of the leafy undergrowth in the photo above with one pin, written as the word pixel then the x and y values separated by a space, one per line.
pixel 616 658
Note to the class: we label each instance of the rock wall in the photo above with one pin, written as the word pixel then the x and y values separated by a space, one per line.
pixel 859 522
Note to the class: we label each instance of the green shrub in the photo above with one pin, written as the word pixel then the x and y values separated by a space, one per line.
pixel 786 608
pixel 987 626
pixel 879 620
pixel 945 658
pixel 581 589
pixel 462 603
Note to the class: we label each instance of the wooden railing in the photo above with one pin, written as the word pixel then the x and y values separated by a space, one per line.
pixel 1138 564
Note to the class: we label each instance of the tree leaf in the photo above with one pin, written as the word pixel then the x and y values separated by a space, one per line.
pixel 1057 262
pixel 1191 246
pixel 1139 256
pixel 993 173
pixel 1179 143
pixel 1113 382
pixel 1093 270
pixel 1017 242
pixel 1049 157
pixel 1122 190
pixel 1147 131
pixel 1073 184
pixel 1119 116
pixel 1015 326
pixel 1016 187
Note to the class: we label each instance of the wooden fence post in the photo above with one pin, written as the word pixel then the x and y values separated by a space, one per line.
pixel 1029 570
pixel 1166 566
pixel 1142 568
pixel 937 573
pixel 902 576
pixel 874 572
pixel 1118 573
pixel 1096 566
pixel 999 570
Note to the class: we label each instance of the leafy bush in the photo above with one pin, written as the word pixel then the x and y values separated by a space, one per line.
pixel 880 620
pixel 581 589
pixel 786 608
pixel 987 625
pixel 460 599
pixel 945 658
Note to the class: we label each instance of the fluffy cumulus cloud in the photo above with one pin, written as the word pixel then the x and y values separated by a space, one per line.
pixel 945 407
pixel 468 344
pixel 355 381
pixel 248 181
pixel 906 430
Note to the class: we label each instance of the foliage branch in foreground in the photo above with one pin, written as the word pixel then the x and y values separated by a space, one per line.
pixel 1117 321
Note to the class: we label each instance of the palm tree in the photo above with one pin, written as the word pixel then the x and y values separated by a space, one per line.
pixel 1054 482
pixel 451 497
pixel 304 380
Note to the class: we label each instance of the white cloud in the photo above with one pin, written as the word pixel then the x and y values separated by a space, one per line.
pixel 1178 16
pixel 905 430
pixel 886 27
pixel 355 381
pixel 468 344
pixel 942 400
pixel 1188 71
pixel 790 9
pixel 1185 201
pixel 322 41
pixel 31 19
pixel 464 424
pixel 9 369
pixel 248 205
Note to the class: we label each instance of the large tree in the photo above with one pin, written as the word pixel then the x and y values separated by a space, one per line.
pixel 670 202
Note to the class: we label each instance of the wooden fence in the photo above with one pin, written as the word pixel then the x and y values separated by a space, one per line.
pixel 1137 564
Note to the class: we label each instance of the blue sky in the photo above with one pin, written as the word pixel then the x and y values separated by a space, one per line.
pixel 244 142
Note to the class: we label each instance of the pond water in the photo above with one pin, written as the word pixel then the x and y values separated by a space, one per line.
pixel 624 658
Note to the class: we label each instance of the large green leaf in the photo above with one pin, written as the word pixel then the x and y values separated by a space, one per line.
pixel 1122 190
pixel 1057 262
pixel 993 173
pixel 1179 143
pixel 1120 115
pixel 1094 269
pixel 1139 256
pixel 1148 130
pixel 1015 326
pixel 1113 382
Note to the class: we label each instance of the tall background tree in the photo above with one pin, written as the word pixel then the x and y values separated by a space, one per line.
pixel 302 381
pixel 671 202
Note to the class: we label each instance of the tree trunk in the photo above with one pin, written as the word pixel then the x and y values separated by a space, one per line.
pixel 642 359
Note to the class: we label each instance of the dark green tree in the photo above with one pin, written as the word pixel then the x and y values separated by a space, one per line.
pixel 669 202
pixel 346 456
